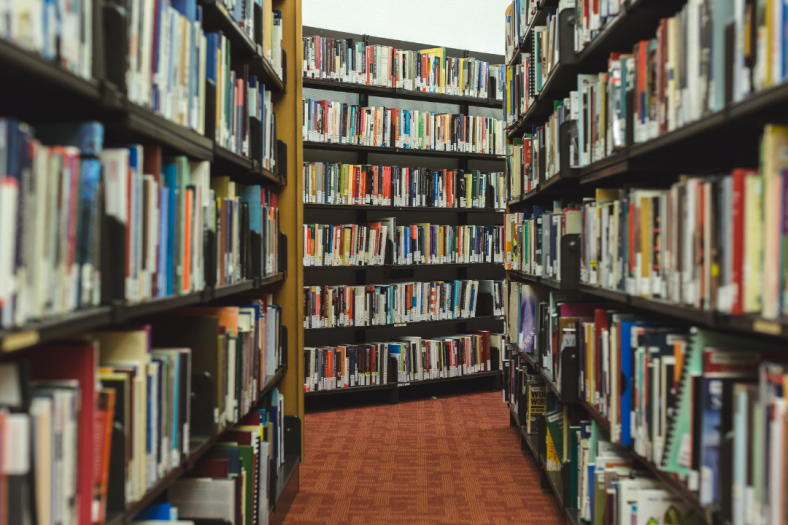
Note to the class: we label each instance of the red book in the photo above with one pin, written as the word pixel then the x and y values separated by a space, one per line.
pixel 387 185
pixel 739 176
pixel 210 468
pixel 102 432
pixel 375 183
pixel 485 336
pixel 47 364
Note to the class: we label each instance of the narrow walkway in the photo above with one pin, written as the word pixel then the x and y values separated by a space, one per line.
pixel 453 460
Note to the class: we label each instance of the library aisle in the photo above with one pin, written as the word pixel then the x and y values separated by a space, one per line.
pixel 452 460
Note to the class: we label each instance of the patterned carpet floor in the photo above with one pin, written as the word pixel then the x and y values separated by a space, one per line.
pixel 451 460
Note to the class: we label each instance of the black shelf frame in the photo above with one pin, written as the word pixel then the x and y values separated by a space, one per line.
pixel 400 93
pixel 415 209
pixel 350 390
pixel 198 449
pixel 407 326
pixel 243 170
pixel 477 375
pixel 403 266
pixel 94 318
pixel 358 148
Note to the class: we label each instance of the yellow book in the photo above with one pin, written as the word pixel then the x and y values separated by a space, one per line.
pixel 590 357
pixel 347 234
pixel 221 187
pixel 775 141
pixel 753 259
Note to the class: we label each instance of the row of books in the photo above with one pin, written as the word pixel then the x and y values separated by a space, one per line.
pixel 415 358
pixel 340 123
pixel 671 394
pixel 520 177
pixel 66 39
pixel 446 244
pixel 592 18
pixel 519 15
pixel 181 230
pixel 170 56
pixel 232 482
pixel 675 78
pixel 428 70
pixel 346 244
pixel 526 77
pixel 240 97
pixel 416 244
pixel 675 395
pixel 327 183
pixel 596 116
pixel 635 495
pixel 533 238
pixel 608 484
pixel 525 386
pixel 345 366
pixel 422 359
pixel 687 244
pixel 387 304
pixel 134 409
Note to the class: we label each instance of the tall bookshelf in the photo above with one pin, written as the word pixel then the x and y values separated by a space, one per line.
pixel 374 95
pixel 38 91
pixel 717 142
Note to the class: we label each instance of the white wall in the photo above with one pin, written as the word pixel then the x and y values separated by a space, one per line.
pixel 476 25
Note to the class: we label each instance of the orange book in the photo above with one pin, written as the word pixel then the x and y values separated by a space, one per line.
pixel 342 354
pixel 102 432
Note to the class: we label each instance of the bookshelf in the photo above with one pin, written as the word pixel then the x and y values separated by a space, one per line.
pixel 39 91
pixel 357 214
pixel 732 138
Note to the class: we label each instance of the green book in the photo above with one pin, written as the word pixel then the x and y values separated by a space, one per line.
pixel 555 425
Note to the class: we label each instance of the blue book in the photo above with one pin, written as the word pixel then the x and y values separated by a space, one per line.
pixel 155 512
pixel 626 378
pixel 88 137
pixel 251 196
pixel 170 173
pixel 87 228
pixel 164 211
pixel 135 165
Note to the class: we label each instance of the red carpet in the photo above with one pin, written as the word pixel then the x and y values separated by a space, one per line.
pixel 454 460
